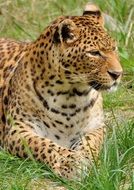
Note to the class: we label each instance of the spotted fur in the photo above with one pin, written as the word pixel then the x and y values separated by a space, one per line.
pixel 50 92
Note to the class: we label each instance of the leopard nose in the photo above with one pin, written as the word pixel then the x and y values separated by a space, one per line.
pixel 114 74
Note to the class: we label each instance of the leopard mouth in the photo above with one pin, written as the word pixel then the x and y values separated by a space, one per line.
pixel 95 85
pixel 98 86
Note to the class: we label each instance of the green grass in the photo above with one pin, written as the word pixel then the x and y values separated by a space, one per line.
pixel 25 20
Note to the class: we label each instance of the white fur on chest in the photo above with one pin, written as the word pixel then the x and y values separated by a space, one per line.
pixel 73 122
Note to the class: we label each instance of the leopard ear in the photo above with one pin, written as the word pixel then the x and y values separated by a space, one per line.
pixel 66 32
pixel 93 10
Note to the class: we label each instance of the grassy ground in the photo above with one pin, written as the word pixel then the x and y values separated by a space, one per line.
pixel 24 20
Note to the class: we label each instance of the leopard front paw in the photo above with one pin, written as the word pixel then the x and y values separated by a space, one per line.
pixel 73 165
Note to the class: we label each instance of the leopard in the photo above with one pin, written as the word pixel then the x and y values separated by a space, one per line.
pixel 51 104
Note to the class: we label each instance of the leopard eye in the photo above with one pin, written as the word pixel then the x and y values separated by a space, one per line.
pixel 94 53
pixel 115 48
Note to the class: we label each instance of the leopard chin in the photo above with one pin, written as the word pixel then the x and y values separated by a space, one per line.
pixel 113 88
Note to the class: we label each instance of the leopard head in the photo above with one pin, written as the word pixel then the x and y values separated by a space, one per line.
pixel 85 51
